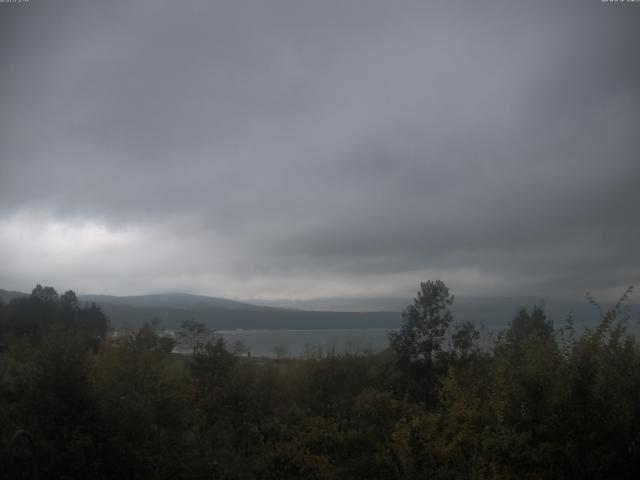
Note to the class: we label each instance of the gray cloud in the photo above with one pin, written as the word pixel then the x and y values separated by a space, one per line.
pixel 320 148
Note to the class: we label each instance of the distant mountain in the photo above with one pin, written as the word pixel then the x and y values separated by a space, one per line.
pixel 218 313
pixel 171 300
pixel 339 304
pixel 223 314
pixel 489 311
pixel 171 309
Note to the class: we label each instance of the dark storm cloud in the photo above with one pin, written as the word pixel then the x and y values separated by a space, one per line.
pixel 287 147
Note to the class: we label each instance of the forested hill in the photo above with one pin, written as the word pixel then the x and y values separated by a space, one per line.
pixel 170 300
pixel 224 314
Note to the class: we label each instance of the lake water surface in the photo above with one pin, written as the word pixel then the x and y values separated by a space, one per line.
pixel 268 343
pixel 301 343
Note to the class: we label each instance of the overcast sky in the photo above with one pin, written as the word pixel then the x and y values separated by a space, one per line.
pixel 301 149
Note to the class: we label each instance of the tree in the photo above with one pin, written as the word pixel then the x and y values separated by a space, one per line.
pixel 33 316
pixel 45 294
pixel 464 338
pixel 426 323
pixel 147 339
pixel 526 324
pixel 212 364
pixel 69 300
pixel 193 333
pixel 420 361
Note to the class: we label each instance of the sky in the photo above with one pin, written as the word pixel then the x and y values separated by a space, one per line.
pixel 308 149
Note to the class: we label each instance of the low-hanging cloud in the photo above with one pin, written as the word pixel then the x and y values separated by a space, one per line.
pixel 303 149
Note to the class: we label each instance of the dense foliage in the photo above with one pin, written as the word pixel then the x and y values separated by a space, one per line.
pixel 76 403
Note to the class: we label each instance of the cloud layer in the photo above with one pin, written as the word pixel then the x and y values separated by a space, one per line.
pixel 302 149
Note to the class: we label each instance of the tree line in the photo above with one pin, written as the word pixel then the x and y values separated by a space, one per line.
pixel 542 402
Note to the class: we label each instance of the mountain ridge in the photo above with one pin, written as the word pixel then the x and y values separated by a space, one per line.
pixel 171 309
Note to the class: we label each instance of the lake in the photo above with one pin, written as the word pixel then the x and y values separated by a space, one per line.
pixel 301 343
pixel 296 343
